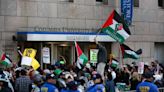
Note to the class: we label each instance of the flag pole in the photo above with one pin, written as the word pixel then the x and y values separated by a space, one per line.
pixel 121 56
pixel 74 62
pixel 99 30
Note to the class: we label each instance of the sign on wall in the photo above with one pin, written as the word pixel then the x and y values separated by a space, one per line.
pixel 93 55
pixel 127 10
pixel 46 55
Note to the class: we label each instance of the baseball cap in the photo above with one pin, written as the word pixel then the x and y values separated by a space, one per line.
pixel 51 76
pixel 57 71
pixel 148 74
pixel 72 85
pixel 96 76
pixel 62 62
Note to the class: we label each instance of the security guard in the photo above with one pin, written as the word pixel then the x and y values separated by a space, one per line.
pixel 98 84
pixel 49 85
pixel 147 85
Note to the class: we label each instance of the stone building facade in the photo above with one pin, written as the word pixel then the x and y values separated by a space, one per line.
pixel 147 28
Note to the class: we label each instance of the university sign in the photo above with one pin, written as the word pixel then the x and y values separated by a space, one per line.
pixel 75 35
pixel 127 10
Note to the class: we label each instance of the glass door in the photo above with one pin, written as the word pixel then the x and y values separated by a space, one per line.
pixel 65 52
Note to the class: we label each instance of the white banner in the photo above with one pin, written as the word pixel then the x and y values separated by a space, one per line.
pixel 46 55
pixel 141 67
pixel 26 61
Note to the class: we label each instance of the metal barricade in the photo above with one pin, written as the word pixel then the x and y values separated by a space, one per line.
pixel 161 89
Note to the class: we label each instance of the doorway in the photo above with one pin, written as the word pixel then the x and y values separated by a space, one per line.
pixel 65 52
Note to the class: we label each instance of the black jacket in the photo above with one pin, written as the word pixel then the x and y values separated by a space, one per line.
pixel 102 54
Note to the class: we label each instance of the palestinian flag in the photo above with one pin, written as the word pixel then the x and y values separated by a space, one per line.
pixel 116 27
pixel 7 61
pixel 114 63
pixel 82 59
pixel 2 56
pixel 129 53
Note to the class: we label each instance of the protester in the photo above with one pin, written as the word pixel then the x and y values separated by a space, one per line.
pixel 4 87
pixel 9 79
pixel 147 85
pixel 23 83
pixel 72 86
pixel 135 79
pixel 98 84
pixel 109 82
pixel 49 86
pixel 37 82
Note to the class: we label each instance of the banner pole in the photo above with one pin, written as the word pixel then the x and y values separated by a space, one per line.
pixel 99 30
pixel 121 56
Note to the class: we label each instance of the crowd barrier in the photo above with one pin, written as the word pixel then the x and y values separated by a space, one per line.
pixel 160 90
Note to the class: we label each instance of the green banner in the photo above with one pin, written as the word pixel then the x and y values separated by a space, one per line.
pixel 93 55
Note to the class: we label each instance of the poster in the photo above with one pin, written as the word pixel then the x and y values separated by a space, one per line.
pixel 46 55
pixel 141 67
pixel 93 55
pixel 35 64
pixel 26 61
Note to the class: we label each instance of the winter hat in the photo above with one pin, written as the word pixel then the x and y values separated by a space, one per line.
pixel 148 74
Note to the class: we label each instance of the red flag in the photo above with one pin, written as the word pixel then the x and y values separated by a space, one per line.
pixel 78 49
pixel 3 56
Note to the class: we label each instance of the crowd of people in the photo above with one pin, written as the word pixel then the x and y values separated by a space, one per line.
pixel 68 78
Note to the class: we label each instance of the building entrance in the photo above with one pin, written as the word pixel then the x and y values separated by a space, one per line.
pixel 64 53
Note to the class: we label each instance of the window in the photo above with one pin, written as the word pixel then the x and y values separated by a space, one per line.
pixel 70 0
pixel 66 0
pixel 136 3
pixel 102 1
pixel 161 3
pixel 99 0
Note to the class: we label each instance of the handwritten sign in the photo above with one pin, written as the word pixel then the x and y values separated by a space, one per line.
pixel 93 55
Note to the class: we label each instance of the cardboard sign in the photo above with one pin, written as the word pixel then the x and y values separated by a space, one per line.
pixel 26 61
